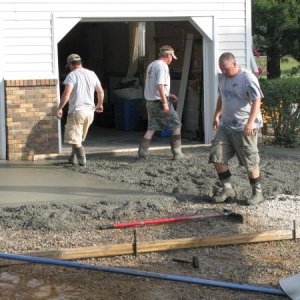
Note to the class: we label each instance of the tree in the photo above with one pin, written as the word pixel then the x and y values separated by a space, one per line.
pixel 276 29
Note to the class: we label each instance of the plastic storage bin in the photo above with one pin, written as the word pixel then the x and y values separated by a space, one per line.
pixel 127 114
pixel 166 133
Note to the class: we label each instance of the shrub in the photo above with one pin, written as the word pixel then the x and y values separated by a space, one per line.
pixel 281 108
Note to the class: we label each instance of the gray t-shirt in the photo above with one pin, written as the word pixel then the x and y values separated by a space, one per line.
pixel 84 83
pixel 157 73
pixel 237 94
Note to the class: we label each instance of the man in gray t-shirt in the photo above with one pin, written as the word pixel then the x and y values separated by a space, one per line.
pixel 238 94
pixel 236 120
pixel 80 86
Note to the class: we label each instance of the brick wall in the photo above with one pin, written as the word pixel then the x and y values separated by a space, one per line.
pixel 32 127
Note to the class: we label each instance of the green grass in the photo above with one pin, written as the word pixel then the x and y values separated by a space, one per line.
pixel 287 63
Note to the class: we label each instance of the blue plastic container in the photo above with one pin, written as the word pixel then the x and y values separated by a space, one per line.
pixel 166 133
pixel 127 114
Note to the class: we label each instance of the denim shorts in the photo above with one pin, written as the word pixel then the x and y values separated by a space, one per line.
pixel 160 120
pixel 228 142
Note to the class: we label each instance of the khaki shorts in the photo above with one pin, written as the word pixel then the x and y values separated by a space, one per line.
pixel 77 126
pixel 160 120
pixel 227 143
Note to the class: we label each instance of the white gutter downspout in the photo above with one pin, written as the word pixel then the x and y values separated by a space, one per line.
pixel 56 74
pixel 2 118
pixel 248 33
pixel 2 98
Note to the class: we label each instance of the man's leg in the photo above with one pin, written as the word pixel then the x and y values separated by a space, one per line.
pixel 225 179
pixel 72 156
pixel 255 182
pixel 75 133
pixel 221 152
pixel 84 121
pixel 80 154
pixel 145 144
pixel 249 153
pixel 176 144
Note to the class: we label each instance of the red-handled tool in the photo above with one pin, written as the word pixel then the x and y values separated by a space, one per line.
pixel 225 214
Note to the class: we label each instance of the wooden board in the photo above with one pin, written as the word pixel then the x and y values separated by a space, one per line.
pixel 156 246
pixel 185 73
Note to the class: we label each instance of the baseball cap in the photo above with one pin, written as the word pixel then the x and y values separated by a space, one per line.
pixel 167 49
pixel 73 58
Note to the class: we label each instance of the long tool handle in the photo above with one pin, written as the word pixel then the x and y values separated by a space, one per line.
pixel 161 221
pixel 145 274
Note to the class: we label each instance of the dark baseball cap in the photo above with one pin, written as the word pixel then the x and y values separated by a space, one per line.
pixel 73 58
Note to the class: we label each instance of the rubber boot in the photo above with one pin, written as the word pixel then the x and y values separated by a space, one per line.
pixel 226 193
pixel 257 195
pixel 80 156
pixel 143 148
pixel 176 147
pixel 71 159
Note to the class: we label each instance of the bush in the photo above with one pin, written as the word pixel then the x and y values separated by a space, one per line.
pixel 281 108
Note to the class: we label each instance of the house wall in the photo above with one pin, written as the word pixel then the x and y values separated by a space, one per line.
pixel 30 31
pixel 28 27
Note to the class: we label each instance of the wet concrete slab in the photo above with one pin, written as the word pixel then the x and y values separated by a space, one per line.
pixel 44 183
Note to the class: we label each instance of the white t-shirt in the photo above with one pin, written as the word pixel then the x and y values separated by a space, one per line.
pixel 237 94
pixel 84 83
pixel 157 73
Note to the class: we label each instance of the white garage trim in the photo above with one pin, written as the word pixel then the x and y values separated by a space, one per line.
pixel 206 25
pixel 62 26
pixel 2 99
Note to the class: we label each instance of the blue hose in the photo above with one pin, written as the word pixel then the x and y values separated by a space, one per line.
pixel 153 275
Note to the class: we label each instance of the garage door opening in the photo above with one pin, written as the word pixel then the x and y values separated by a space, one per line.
pixel 107 49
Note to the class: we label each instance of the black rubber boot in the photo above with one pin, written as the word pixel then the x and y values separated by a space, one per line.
pixel 176 147
pixel 143 148
pixel 80 156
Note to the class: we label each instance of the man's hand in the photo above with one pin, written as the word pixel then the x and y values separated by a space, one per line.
pixel 248 129
pixel 59 113
pixel 99 108
pixel 216 122
pixel 217 114
pixel 166 107
pixel 173 98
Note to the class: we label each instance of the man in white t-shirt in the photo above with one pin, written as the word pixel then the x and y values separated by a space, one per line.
pixel 80 87
pixel 160 110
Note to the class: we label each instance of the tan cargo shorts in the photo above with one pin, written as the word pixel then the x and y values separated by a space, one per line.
pixel 77 126
pixel 228 142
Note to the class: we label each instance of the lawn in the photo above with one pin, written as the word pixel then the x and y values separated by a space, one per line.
pixel 287 63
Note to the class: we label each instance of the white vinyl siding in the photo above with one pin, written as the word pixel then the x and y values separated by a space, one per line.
pixel 28 47
pixel 117 7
